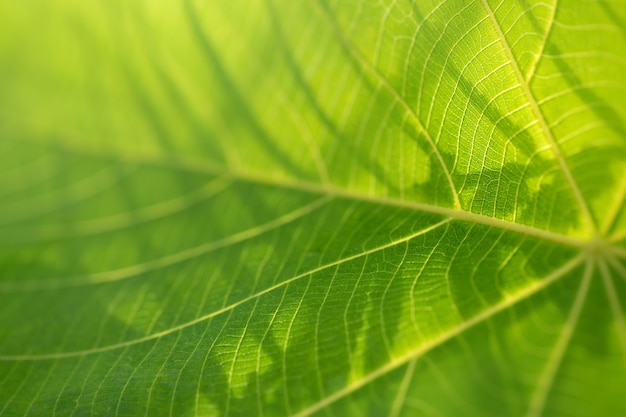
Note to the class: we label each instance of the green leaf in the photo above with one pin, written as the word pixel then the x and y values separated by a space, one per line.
pixel 312 207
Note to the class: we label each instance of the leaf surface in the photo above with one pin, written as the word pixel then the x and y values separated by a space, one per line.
pixel 323 207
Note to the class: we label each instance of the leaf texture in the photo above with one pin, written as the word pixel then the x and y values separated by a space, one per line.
pixel 313 208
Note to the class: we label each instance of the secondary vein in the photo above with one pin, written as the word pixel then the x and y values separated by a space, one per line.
pixel 538 400
pixel 539 115
pixel 444 337
pixel 228 308
pixel 368 66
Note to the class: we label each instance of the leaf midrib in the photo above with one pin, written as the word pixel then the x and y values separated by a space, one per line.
pixel 325 191
pixel 198 166
pixel 540 117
